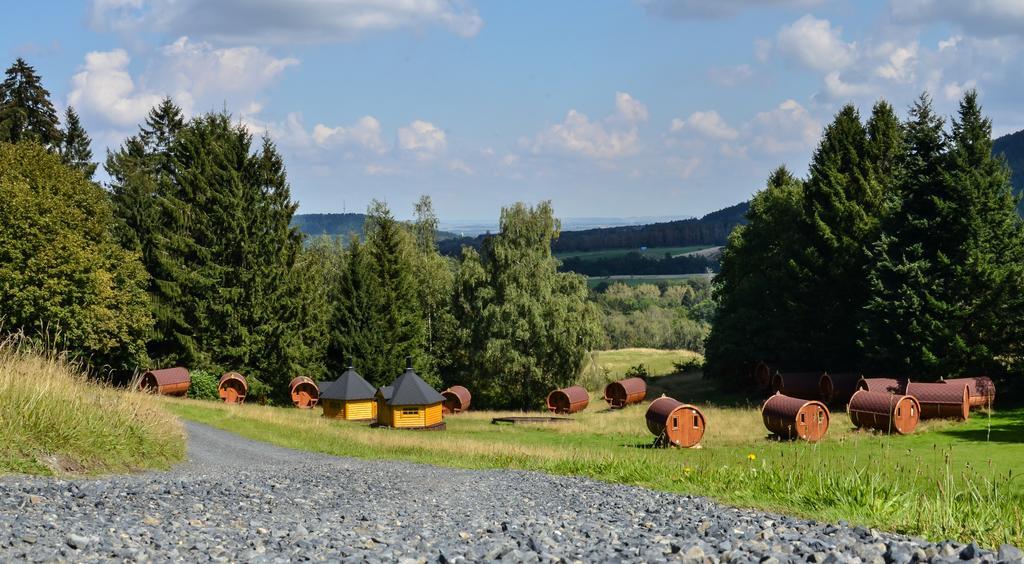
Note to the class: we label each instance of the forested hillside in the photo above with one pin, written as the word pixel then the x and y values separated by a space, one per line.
pixel 1012 147
pixel 338 224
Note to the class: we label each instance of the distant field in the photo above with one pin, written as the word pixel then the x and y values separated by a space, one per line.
pixel 650 252
pixel 637 279
pixel 616 362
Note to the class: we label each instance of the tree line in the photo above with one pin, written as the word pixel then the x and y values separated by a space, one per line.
pixel 899 254
pixel 189 257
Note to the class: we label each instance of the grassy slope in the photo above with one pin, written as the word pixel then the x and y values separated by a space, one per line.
pixel 602 367
pixel 910 484
pixel 54 421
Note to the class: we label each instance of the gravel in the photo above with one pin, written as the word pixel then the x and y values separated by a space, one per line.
pixel 240 500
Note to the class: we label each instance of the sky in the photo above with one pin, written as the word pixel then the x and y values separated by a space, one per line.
pixel 608 108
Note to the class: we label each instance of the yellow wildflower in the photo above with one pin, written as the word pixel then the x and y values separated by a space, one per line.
pixel 751 457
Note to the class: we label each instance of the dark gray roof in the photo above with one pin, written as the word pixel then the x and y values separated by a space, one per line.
pixel 410 389
pixel 349 386
pixel 386 391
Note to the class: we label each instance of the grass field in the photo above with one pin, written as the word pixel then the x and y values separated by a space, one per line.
pixel 603 367
pixel 54 421
pixel 650 252
pixel 947 481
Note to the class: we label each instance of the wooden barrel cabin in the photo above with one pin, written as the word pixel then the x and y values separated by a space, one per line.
pixel 837 388
pixel 795 418
pixel 981 390
pixel 568 400
pixel 350 397
pixel 166 381
pixel 941 400
pixel 304 391
pixel 411 403
pixel 797 384
pixel 456 400
pixel 891 385
pixel 675 423
pixel 625 392
pixel 232 387
pixel 882 411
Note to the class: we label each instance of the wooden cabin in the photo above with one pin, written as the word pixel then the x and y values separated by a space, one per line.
pixel 166 381
pixel 410 403
pixel 980 389
pixel 232 387
pixel 802 385
pixel 350 397
pixel 304 391
pixel 675 423
pixel 838 388
pixel 795 418
pixel 625 392
pixel 942 400
pixel 568 400
pixel 456 400
pixel 885 412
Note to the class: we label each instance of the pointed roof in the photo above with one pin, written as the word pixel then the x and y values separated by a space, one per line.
pixel 349 386
pixel 410 389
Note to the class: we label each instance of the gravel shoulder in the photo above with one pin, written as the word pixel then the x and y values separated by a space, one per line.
pixel 241 500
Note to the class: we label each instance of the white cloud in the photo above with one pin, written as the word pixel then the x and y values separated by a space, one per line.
pixel 578 135
pixel 788 127
pixel 707 124
pixel 422 139
pixel 954 90
pixel 194 74
pixel 458 165
pixel 103 87
pixel 376 169
pixel 836 88
pixel 365 133
pixel 273 21
pixel 683 167
pixel 815 44
pixel 987 18
pixel 629 108
pixel 707 9
pixel 899 61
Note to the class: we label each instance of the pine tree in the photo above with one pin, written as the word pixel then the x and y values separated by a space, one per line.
pixel 352 331
pixel 74 146
pixel 843 205
pixel 760 284
pixel 26 113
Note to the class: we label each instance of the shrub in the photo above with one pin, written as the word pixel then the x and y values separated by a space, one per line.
pixel 203 386
pixel 691 364
pixel 638 371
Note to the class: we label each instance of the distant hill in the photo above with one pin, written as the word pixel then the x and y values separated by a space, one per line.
pixel 334 224
pixel 1012 147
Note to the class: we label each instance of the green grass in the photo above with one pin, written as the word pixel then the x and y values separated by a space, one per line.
pixel 54 421
pixel 651 252
pixel 944 482
pixel 602 367
pixel 638 279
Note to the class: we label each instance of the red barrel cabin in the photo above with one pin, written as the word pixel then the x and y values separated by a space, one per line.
pixel 232 387
pixel 166 381
pixel 675 423
pixel 882 411
pixel 891 385
pixel 795 418
pixel 837 388
pixel 797 384
pixel 568 400
pixel 305 393
pixel 456 400
pixel 941 400
pixel 625 392
pixel 980 389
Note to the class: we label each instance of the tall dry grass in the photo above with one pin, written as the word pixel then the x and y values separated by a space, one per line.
pixel 55 420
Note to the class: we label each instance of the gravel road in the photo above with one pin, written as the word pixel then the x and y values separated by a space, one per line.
pixel 239 500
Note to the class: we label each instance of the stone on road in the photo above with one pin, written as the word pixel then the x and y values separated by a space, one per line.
pixel 241 500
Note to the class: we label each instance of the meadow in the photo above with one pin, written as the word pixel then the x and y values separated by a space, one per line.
pixel 54 420
pixel 638 279
pixel 949 480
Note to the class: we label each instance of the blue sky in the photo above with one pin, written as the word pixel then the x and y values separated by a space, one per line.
pixel 630 108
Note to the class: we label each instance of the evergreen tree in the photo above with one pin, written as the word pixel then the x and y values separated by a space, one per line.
pixel 760 285
pixel 26 113
pixel 74 146
pixel 352 331
pixel 885 150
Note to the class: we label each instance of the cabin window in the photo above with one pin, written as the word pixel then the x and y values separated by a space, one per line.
pixel 912 411
pixel 696 422
pixel 675 423
pixel 821 417
pixel 802 418
pixel 410 411
pixel 897 412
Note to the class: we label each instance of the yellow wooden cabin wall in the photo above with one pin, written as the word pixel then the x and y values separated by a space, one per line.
pixel 410 416
pixel 356 410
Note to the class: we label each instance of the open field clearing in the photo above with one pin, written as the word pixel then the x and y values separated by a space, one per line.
pixel 649 252
pixel 637 279
pixel 603 367
pixel 945 481
pixel 55 421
